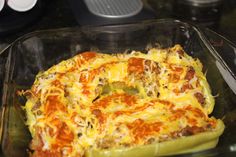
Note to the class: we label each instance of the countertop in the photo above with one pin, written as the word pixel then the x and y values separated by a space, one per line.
pixel 58 13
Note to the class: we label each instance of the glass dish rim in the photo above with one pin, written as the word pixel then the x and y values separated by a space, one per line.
pixel 199 30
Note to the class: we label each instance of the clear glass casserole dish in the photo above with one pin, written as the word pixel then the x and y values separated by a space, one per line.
pixel 23 59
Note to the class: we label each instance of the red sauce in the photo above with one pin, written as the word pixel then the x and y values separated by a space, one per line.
pixel 63 138
pixel 86 90
pixel 88 55
pixel 83 77
pixel 188 131
pixel 85 57
pixel 176 91
pixel 49 129
pixel 141 129
pixel 200 98
pixel 135 65
pixel 64 135
pixel 167 103
pixel 196 111
pixel 58 84
pixel 100 116
pixel 47 153
pixel 53 104
pixel 174 78
pixel 192 121
pixel 176 68
pixel 186 87
pixel 190 74
pixel 212 123
pixel 71 69
pixel 178 113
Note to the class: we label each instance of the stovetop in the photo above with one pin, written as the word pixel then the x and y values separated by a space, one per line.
pixel 57 14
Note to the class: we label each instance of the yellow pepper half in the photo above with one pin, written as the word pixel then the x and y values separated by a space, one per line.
pixel 198 142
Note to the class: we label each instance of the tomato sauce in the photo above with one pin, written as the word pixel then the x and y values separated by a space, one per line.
pixel 88 55
pixel 174 78
pixel 141 129
pixel 176 68
pixel 136 65
pixel 53 104
pixel 190 74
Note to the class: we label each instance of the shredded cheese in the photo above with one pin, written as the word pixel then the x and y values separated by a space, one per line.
pixel 106 101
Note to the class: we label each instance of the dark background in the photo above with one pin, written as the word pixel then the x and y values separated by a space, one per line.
pixel 58 13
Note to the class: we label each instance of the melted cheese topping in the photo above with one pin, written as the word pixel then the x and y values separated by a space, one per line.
pixel 106 101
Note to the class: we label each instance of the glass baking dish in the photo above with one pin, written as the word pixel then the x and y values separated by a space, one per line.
pixel 34 52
